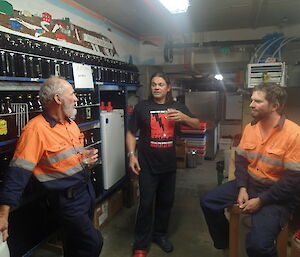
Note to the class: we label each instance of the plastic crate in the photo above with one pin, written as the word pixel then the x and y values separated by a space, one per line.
pixel 197 147
pixel 189 130
pixel 200 156
pixel 196 142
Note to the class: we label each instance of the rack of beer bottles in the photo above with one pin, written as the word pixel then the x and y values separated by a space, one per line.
pixel 24 62
pixel 33 60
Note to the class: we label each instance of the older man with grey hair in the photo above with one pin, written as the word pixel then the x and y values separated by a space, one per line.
pixel 51 149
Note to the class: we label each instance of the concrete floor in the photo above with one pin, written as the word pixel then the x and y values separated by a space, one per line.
pixel 187 229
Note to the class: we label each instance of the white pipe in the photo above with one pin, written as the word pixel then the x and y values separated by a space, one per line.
pixel 279 50
pixel 283 44
pixel 264 51
pixel 256 52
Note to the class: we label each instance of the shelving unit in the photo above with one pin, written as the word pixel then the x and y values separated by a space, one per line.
pixel 109 90
pixel 24 65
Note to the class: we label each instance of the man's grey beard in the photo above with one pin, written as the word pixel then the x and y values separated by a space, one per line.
pixel 69 110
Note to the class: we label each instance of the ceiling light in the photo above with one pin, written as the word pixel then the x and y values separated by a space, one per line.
pixel 218 77
pixel 177 6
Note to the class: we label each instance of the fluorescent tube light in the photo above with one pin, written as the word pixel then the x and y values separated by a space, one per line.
pixel 176 6
pixel 218 77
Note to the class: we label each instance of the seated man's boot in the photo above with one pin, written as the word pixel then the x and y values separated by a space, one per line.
pixel 163 243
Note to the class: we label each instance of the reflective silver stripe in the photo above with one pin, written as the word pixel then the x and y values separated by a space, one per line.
pixel 260 157
pixel 292 166
pixel 61 156
pixel 20 163
pixel 56 175
pixel 79 149
pixel 262 180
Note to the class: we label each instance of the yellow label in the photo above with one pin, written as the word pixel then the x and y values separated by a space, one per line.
pixel 266 77
pixel 3 127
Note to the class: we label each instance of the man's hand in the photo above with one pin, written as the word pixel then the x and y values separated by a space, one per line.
pixel 4 211
pixel 134 164
pixel 253 205
pixel 90 156
pixel 243 197
pixel 175 115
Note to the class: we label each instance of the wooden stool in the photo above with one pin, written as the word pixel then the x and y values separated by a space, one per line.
pixel 235 213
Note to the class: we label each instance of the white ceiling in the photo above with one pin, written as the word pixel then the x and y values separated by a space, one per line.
pixel 147 18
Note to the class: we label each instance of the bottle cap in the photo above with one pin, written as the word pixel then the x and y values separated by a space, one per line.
pixel 102 106
pixel 109 107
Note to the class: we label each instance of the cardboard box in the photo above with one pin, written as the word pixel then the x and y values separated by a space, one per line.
pixel 180 147
pixel 106 210
pixel 100 214
pixel 181 162
pixel 181 150
pixel 115 203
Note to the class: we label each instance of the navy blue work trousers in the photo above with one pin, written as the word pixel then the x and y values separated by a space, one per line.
pixel 76 208
pixel 266 223
pixel 156 201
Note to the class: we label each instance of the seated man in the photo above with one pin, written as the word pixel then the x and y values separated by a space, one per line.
pixel 267 163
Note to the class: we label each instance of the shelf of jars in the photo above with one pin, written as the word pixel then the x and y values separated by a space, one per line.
pixel 17 109
pixel 25 63
pixel 28 58
pixel 22 79
pixel 109 86
pixel 19 66
pixel 83 128
pixel 13 85
pixel 8 142
pixel 33 84
pixel 89 125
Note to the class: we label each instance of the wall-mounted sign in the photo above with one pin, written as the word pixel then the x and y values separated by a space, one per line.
pixel 82 76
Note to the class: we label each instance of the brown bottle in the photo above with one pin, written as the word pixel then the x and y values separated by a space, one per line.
pixel 80 115
pixel 31 110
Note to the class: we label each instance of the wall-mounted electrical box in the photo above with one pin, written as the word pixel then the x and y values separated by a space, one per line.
pixel 258 73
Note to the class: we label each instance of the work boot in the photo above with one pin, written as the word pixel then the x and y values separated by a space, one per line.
pixel 164 244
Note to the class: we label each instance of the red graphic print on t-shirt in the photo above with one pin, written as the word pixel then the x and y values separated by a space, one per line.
pixel 162 130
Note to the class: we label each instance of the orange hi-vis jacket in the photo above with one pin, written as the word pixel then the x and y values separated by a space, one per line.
pixel 271 159
pixel 49 150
